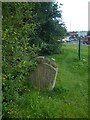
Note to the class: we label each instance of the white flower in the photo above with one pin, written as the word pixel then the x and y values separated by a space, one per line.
pixel 53 59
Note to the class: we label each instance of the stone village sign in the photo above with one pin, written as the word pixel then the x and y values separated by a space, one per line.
pixel 44 76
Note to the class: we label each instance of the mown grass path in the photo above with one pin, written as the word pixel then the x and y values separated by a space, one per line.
pixel 73 77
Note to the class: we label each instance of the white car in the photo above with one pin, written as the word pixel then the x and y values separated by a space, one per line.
pixel 68 39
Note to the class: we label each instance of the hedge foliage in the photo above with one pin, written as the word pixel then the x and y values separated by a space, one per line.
pixel 29 29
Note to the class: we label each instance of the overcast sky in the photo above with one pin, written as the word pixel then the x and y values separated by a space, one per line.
pixel 75 14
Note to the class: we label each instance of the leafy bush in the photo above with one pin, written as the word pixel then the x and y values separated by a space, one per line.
pixel 25 27
pixel 17 55
pixel 50 49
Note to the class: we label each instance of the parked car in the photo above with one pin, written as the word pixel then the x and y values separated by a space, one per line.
pixel 68 39
pixel 73 38
pixel 86 40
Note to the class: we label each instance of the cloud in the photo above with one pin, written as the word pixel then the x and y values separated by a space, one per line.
pixel 75 14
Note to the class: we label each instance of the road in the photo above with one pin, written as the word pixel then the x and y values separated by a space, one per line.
pixel 73 41
pixel 76 42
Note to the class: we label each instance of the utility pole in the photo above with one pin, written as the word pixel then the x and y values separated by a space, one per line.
pixel 70 25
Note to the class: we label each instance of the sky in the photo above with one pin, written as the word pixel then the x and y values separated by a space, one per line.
pixel 75 14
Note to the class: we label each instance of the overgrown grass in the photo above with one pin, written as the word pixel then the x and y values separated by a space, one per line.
pixel 69 98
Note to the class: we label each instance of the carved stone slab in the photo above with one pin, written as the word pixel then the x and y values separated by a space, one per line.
pixel 44 76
